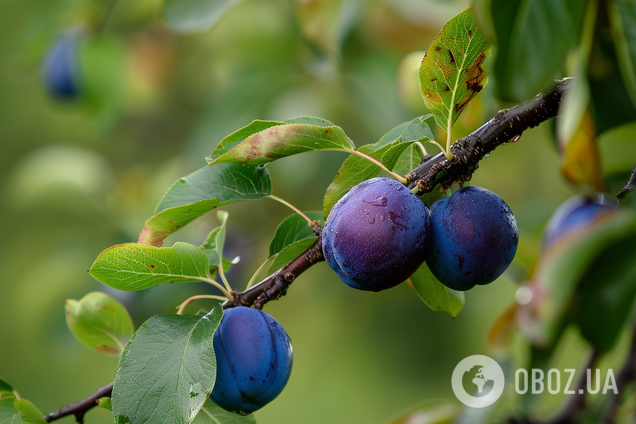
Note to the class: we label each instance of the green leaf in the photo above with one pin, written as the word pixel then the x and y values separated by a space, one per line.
pixel 356 169
pixel 6 390
pixel 281 141
pixel 618 149
pixel 533 41
pixel 452 71
pixel 100 323
pixel 239 136
pixel 134 266
pixel 213 414
pixel 209 247
pixel 8 414
pixel 622 15
pixel 290 252
pixel 168 369
pixel 561 268
pixel 202 191
pixel 189 16
pixel 606 293
pixel 28 413
pixel 105 403
pixel 437 296
pixel 291 229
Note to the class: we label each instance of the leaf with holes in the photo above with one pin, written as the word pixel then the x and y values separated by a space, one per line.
pixel 452 71
pixel 134 266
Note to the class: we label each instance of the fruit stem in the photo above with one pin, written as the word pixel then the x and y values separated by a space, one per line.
pixel 292 207
pixel 258 271
pixel 362 155
pixel 200 296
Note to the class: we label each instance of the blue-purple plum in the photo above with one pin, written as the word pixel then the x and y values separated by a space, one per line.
pixel 474 238
pixel 377 235
pixel 253 359
pixel 61 69
pixel 573 215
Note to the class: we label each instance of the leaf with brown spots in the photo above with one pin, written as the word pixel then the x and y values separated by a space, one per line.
pixel 299 135
pixel 452 71
pixel 100 323
pixel 127 266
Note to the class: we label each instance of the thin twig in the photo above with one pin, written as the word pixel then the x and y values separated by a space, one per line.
pixel 78 409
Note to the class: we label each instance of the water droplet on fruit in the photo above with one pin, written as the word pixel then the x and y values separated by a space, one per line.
pixel 381 217
pixel 380 201
pixel 400 187
pixel 487 155
pixel 366 212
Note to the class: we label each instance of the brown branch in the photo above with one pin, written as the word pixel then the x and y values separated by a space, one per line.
pixel 507 125
pixel 275 285
pixel 78 409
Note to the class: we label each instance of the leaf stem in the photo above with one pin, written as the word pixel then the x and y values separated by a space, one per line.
pixel 422 148
pixel 199 296
pixel 367 157
pixel 225 290
pixel 258 271
pixel 224 279
pixel 292 207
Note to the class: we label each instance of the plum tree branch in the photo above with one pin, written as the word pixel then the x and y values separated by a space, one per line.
pixel 507 125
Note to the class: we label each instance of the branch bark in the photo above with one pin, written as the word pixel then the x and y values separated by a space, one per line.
pixel 506 126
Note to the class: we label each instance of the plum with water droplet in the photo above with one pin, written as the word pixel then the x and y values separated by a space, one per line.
pixel 474 238
pixel 253 359
pixel 377 235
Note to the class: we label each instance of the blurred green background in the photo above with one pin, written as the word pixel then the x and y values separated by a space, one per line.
pixel 80 177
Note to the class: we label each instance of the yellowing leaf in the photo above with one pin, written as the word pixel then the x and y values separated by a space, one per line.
pixel 581 161
pixel 451 73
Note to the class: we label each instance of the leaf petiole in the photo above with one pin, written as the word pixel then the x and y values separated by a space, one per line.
pixel 258 271
pixel 377 162
pixel 185 303
pixel 292 207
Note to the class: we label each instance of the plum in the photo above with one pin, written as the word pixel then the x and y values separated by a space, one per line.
pixel 61 68
pixel 377 235
pixel 253 358
pixel 574 214
pixel 474 238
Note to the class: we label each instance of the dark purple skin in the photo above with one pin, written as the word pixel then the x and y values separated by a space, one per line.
pixel 60 67
pixel 377 235
pixel 575 214
pixel 253 359
pixel 475 238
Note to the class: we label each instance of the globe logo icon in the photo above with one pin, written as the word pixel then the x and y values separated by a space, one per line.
pixel 478 381
pixel 475 383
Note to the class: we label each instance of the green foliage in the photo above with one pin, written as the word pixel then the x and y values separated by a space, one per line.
pixel 437 296
pixel 533 41
pixel 202 191
pixel 100 323
pixel 622 14
pixel 167 370
pixel 292 229
pixel 212 414
pixel 452 71
pixel 282 140
pixel 135 266
pixel 14 410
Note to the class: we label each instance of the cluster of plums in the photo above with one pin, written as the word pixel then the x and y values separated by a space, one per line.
pixel 380 233
pixel 375 237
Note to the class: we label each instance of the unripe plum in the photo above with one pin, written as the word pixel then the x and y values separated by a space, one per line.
pixel 61 68
pixel 253 358
pixel 573 215
pixel 377 235
pixel 474 239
